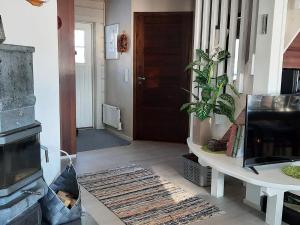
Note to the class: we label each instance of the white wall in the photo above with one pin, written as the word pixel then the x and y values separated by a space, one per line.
pixel 37 27
pixel 270 47
pixel 118 91
pixel 162 5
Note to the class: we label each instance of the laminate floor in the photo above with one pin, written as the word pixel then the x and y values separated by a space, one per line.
pixel 165 160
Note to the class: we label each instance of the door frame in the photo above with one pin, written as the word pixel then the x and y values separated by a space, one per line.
pixel 67 93
pixel 136 14
pixel 93 72
pixel 65 12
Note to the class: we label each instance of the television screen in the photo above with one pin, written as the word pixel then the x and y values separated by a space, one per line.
pixel 272 132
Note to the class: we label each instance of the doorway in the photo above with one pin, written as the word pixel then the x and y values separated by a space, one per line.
pixel 84 75
pixel 163 48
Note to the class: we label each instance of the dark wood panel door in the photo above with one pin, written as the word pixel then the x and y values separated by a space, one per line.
pixel 291 58
pixel 66 48
pixel 163 44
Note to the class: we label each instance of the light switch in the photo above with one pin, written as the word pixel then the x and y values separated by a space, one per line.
pixel 126 75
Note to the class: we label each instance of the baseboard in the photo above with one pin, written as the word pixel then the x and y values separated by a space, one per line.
pixel 120 135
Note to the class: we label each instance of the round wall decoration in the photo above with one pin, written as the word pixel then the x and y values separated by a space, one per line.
pixel 59 22
pixel 123 43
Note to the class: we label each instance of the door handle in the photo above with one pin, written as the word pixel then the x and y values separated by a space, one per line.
pixel 141 78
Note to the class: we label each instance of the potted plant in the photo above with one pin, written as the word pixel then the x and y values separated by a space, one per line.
pixel 212 98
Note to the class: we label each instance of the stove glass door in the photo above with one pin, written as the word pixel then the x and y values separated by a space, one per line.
pixel 19 160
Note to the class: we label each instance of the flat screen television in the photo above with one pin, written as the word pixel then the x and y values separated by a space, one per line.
pixel 272 132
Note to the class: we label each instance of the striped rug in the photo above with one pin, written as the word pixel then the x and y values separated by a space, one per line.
pixel 139 197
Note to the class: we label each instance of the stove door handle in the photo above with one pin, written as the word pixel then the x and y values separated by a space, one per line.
pixel 46 152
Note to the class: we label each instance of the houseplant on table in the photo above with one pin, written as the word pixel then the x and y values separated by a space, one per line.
pixel 212 97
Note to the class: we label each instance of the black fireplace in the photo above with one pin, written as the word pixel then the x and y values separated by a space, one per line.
pixel 20 160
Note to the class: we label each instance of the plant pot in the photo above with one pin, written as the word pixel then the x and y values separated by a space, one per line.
pixel 201 131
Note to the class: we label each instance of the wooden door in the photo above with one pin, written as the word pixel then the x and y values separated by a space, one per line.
pixel 163 44
pixel 67 94
pixel 291 57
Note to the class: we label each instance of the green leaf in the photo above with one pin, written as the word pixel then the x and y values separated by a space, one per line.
pixel 217 110
pixel 197 71
pixel 191 93
pixel 206 93
pixel 234 90
pixel 201 81
pixel 202 73
pixel 202 55
pixel 186 106
pixel 224 107
pixel 223 55
pixel 204 86
pixel 226 110
pixel 222 80
pixel 203 111
pixel 206 70
pixel 195 63
pixel 229 99
pixel 191 110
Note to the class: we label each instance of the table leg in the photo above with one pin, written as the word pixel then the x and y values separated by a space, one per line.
pixel 253 196
pixel 217 184
pixel 274 207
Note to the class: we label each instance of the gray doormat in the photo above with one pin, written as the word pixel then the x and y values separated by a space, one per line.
pixel 92 139
pixel 139 197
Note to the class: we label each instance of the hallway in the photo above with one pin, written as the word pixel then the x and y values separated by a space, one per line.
pixel 165 160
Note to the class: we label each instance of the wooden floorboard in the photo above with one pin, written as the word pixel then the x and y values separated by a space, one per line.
pixel 165 160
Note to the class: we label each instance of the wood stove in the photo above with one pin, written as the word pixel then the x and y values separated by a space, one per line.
pixel 21 181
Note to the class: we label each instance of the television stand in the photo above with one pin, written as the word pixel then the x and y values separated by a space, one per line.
pixel 254 170
pixel 270 181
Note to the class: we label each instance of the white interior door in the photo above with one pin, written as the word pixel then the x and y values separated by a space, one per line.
pixel 84 75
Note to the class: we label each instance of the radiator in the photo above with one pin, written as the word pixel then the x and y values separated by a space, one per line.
pixel 112 116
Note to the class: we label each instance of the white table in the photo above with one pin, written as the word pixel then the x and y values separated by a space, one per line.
pixel 270 180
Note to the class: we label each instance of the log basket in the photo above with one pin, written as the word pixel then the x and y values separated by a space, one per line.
pixel 54 210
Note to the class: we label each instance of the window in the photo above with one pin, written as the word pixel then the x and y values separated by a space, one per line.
pixel 80 46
